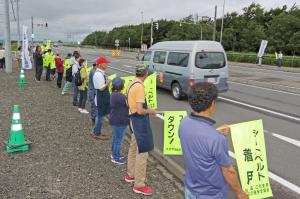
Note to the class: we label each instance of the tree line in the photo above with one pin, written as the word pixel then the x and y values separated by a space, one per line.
pixel 242 32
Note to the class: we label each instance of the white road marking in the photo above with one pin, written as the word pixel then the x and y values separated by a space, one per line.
pixel 284 138
pixel 278 179
pixel 228 81
pixel 273 176
pixel 268 71
pixel 120 70
pixel 127 66
pixel 269 89
pixel 261 109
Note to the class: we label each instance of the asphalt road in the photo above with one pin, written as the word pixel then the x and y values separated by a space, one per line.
pixel 281 133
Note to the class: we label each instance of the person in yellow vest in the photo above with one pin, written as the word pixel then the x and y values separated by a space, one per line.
pixel 52 65
pixel 67 79
pixel 46 63
pixel 43 48
pixel 83 88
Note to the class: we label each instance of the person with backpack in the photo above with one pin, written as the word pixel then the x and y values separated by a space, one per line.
pixel 82 83
pixel 118 119
pixel 67 74
pixel 59 69
pixel 102 99
pixel 75 68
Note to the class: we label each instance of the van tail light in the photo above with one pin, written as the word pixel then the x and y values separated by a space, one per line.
pixel 191 82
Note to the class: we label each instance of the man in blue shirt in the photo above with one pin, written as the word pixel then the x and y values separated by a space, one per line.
pixel 205 149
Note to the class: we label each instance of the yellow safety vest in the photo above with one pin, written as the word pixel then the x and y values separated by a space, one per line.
pixel 67 65
pixel 52 61
pixel 46 60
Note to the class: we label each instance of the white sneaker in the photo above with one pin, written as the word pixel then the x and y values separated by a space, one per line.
pixel 80 109
pixel 84 111
pixel 63 93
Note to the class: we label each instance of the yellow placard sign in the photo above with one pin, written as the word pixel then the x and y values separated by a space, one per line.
pixel 172 145
pixel 150 89
pixel 250 152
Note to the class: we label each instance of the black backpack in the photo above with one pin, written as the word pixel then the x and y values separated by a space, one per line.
pixel 69 76
pixel 78 80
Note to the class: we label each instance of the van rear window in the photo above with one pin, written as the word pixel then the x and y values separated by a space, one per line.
pixel 178 59
pixel 210 60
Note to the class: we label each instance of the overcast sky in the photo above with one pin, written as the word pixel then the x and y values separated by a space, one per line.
pixel 80 17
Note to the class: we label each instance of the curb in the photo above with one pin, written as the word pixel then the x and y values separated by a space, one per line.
pixel 167 162
pixel 265 67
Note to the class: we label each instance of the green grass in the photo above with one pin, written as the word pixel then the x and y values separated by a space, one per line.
pixel 268 59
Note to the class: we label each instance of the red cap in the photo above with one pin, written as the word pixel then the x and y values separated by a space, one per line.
pixel 102 60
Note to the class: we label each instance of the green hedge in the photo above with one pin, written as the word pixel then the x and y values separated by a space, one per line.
pixel 288 61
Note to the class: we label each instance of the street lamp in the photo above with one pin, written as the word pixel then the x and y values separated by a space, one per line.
pixel 142 32
pixel 221 36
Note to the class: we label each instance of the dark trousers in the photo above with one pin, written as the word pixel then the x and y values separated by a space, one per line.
pixel 279 62
pixel 59 79
pixel 38 72
pixel 2 62
pixel 53 70
pixel 48 74
pixel 75 92
pixel 82 99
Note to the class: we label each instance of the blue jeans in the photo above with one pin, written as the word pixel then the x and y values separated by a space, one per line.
pixel 188 194
pixel 82 99
pixel 118 137
pixel 67 86
pixel 93 106
pixel 75 92
pixel 98 125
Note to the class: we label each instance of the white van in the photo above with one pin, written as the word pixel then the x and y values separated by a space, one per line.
pixel 180 64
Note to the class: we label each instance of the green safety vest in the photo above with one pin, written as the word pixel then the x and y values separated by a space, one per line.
pixel 52 61
pixel 67 65
pixel 46 60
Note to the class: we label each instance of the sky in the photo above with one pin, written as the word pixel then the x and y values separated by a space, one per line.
pixel 72 20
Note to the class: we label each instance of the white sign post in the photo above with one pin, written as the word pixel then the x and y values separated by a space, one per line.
pixel 26 62
pixel 263 46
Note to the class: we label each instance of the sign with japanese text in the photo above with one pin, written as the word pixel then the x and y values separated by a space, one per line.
pixel 111 77
pixel 26 62
pixel 126 83
pixel 172 145
pixel 250 152
pixel 150 89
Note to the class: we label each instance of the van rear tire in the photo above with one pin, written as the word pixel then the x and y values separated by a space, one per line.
pixel 177 91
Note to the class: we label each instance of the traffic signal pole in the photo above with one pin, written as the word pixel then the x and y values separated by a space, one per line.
pixel 32 29
pixel 8 57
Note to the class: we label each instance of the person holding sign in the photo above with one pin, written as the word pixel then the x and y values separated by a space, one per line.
pixel 205 149
pixel 141 138
pixel 102 98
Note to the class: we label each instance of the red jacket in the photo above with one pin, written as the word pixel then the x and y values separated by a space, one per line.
pixel 59 65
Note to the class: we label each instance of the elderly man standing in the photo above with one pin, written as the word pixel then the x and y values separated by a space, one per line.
pixel 141 137
pixel 205 149
pixel 102 98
